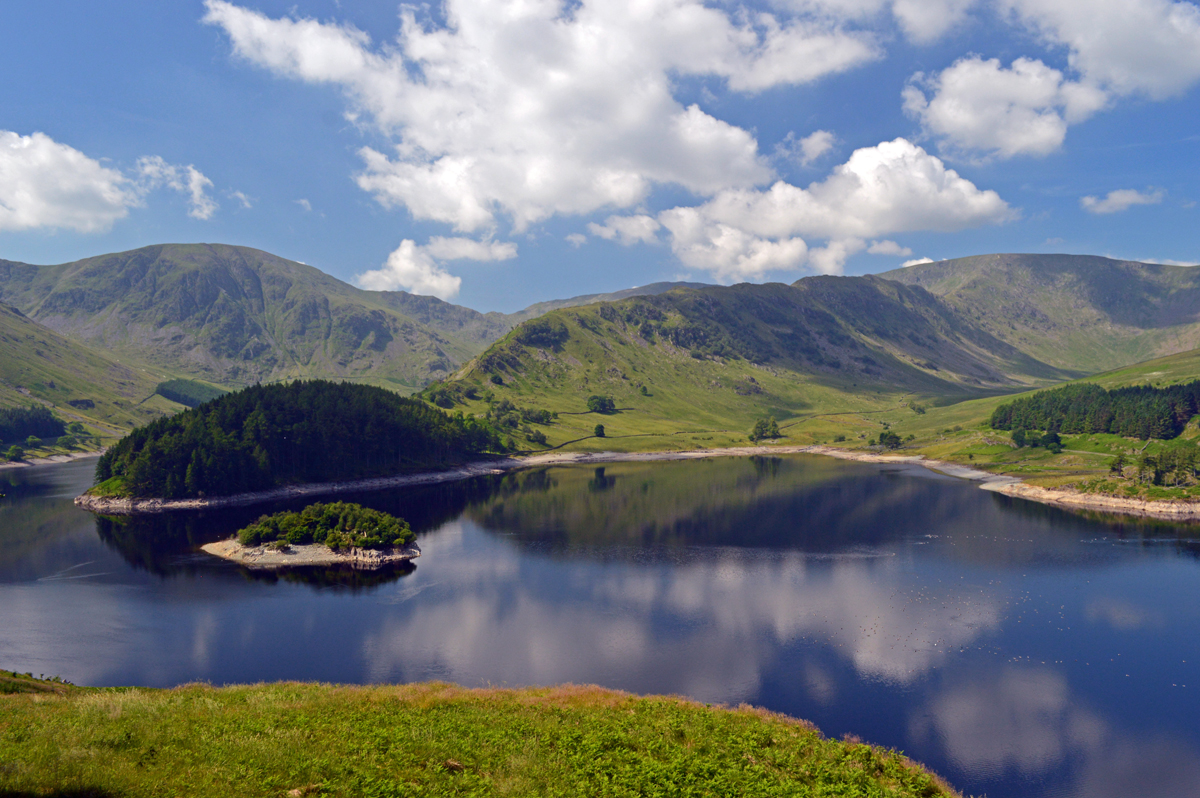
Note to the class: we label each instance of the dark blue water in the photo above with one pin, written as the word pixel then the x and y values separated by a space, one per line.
pixel 1016 649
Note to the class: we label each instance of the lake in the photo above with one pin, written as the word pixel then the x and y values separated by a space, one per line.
pixel 1016 649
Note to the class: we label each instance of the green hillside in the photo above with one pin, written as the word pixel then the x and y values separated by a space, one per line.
pixel 1077 312
pixel 542 308
pixel 235 316
pixel 37 365
pixel 690 367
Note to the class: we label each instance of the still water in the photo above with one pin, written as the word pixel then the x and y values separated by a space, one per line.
pixel 1016 649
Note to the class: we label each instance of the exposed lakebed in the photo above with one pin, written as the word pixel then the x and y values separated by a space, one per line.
pixel 1017 649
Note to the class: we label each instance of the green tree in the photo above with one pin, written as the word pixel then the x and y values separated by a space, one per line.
pixel 889 439
pixel 1117 466
pixel 33 442
pixel 598 431
pixel 15 453
pixel 1018 437
pixel 765 428
pixel 601 404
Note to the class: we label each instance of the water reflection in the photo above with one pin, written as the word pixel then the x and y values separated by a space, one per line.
pixel 1017 649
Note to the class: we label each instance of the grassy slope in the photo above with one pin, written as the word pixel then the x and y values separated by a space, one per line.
pixel 959 433
pixel 39 365
pixel 849 346
pixel 1080 313
pixel 423 739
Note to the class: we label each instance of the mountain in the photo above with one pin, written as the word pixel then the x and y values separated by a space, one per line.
pixel 1080 313
pixel 39 366
pixel 716 358
pixel 541 308
pixel 235 315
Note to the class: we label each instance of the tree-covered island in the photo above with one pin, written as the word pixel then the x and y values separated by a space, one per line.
pixel 267 436
pixel 338 525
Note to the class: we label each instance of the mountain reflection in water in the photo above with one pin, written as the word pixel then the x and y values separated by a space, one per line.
pixel 1016 649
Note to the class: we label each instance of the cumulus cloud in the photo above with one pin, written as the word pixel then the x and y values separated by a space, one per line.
pixel 979 105
pixel 1120 200
pixel 45 184
pixel 154 172
pixel 1115 48
pixel 469 249
pixel 524 111
pixel 808 149
pixel 417 269
pixel 890 188
pixel 915 262
pixel 628 230
pixel 1149 47
pixel 925 21
pixel 888 248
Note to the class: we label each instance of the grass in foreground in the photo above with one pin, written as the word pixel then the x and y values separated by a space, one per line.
pixel 425 739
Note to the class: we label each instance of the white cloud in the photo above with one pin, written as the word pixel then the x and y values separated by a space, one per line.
pixel 1149 47
pixel 417 269
pixel 243 200
pixel 470 249
pixel 1121 199
pixel 45 184
pixel 628 230
pixel 1115 48
pixel 892 187
pixel 577 240
pixel 888 248
pixel 978 105
pixel 925 21
pixel 915 262
pixel 154 172
pixel 520 110
pixel 808 149
pixel 305 204
pixel 412 269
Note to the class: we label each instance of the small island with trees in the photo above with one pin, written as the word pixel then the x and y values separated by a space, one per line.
pixel 267 437
pixel 338 533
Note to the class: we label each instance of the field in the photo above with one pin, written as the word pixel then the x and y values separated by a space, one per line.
pixel 422 739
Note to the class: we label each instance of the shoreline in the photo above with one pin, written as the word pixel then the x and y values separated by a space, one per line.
pixel 997 483
pixel 51 460
pixel 264 558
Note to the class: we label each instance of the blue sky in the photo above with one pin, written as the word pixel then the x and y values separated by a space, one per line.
pixel 497 154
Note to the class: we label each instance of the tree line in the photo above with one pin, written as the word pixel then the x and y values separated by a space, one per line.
pixel 269 435
pixel 20 423
pixel 1141 411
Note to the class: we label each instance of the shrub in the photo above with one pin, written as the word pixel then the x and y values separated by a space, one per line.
pixel 15 453
pixel 497 379
pixel 598 431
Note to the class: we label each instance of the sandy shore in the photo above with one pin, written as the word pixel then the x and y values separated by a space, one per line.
pixel 58 458
pixel 1009 486
pixel 264 558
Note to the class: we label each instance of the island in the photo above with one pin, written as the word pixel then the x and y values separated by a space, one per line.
pixel 338 533
pixel 269 438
